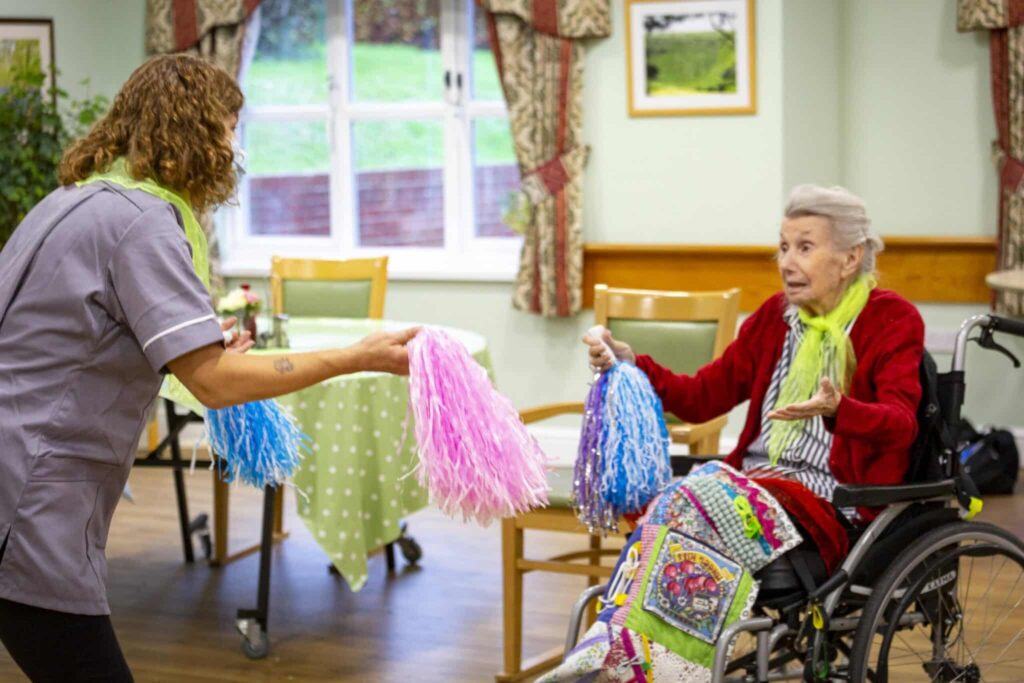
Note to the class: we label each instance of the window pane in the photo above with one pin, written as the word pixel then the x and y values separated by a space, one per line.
pixel 396 55
pixel 495 177
pixel 486 85
pixel 288 173
pixel 290 65
pixel 399 182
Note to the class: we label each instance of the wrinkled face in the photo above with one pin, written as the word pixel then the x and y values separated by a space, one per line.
pixel 814 273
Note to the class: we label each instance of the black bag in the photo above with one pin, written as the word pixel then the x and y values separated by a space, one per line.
pixel 991 460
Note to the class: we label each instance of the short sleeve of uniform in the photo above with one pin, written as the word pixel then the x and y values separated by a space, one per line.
pixel 161 298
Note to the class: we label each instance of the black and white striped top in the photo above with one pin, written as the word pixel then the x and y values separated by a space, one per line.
pixel 806 459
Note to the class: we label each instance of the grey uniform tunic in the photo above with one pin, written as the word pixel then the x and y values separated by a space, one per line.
pixel 97 295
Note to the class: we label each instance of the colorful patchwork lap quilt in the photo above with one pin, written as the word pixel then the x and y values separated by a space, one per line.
pixel 683 576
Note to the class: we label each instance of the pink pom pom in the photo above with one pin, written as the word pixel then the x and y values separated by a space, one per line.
pixel 476 457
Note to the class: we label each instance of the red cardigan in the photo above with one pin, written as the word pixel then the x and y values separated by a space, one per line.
pixel 876 419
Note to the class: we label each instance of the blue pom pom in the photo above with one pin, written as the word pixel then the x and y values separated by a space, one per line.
pixel 634 441
pixel 258 442
pixel 623 461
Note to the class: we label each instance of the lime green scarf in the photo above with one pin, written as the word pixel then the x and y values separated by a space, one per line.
pixel 118 174
pixel 824 351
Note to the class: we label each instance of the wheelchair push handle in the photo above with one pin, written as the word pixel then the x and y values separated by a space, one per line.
pixel 989 324
pixel 1008 325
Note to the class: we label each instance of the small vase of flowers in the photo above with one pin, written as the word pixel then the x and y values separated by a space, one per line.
pixel 243 303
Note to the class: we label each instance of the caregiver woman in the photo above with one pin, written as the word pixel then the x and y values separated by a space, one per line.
pixel 830 366
pixel 100 295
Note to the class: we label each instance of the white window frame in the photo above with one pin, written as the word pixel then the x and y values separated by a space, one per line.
pixel 465 256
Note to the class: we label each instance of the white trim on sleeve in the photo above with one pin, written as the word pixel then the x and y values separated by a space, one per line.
pixel 171 330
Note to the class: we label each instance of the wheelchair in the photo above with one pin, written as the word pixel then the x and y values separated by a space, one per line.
pixel 924 594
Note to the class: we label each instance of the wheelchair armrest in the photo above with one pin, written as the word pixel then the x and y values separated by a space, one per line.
pixel 878 496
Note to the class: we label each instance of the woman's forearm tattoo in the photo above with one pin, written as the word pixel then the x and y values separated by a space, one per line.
pixel 283 365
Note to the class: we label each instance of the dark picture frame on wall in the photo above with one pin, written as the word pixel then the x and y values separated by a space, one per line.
pixel 691 57
pixel 26 42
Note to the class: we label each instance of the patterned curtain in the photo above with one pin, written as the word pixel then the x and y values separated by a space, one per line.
pixel 538 48
pixel 214 29
pixel 1004 19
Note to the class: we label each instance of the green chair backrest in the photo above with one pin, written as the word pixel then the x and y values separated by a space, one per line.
pixel 327 298
pixel 682 346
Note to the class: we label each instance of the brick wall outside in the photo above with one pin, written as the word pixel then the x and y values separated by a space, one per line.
pixel 396 208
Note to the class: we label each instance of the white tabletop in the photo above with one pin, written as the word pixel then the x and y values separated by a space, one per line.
pixel 314 334
pixel 1006 280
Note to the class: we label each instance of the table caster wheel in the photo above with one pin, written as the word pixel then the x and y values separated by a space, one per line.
pixel 200 526
pixel 255 644
pixel 207 544
pixel 411 550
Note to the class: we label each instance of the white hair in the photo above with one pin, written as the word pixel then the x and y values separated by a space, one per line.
pixel 846 215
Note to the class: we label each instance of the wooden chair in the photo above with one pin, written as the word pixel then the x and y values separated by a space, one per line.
pixel 329 289
pixel 682 330
pixel 353 288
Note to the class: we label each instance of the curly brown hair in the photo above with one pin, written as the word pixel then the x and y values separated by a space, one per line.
pixel 171 121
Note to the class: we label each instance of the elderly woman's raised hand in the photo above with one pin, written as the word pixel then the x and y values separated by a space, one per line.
pixel 599 358
pixel 824 403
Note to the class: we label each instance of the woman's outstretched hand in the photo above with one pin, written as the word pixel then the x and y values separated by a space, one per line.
pixel 824 403
pixel 386 351
pixel 600 360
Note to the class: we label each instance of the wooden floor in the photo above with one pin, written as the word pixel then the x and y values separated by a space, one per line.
pixel 440 622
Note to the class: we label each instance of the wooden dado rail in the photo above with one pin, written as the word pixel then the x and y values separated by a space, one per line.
pixel 923 269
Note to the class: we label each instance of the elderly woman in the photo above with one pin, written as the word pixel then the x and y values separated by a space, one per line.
pixel 102 292
pixel 830 366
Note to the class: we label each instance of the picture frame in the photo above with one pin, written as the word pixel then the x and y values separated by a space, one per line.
pixel 26 39
pixel 691 57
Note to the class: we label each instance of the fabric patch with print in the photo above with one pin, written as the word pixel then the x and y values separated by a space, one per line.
pixel 648 535
pixel 687 618
pixel 754 528
pixel 588 657
pixel 692 586
pixel 676 507
pixel 777 528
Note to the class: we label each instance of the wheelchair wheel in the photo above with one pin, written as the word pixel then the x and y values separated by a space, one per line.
pixel 947 609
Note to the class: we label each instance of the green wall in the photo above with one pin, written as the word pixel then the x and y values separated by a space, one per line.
pixel 99 40
pixel 696 179
pixel 917 118
pixel 811 57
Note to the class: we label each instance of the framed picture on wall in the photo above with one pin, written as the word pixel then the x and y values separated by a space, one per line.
pixel 691 57
pixel 26 43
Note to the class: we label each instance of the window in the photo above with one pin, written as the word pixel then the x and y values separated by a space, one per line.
pixel 374 127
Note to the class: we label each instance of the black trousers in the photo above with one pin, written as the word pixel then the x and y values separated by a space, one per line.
pixel 54 647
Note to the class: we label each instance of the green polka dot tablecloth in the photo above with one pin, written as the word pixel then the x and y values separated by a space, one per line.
pixel 353 492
